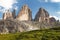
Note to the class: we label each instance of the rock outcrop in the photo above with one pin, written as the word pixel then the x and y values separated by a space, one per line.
pixel 9 15
pixel 52 19
pixel 42 16
pixel 25 14
pixel 13 26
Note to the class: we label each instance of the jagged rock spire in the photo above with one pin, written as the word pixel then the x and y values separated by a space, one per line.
pixel 25 14
pixel 7 15
pixel 42 15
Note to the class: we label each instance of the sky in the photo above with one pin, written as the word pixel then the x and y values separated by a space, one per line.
pixel 52 6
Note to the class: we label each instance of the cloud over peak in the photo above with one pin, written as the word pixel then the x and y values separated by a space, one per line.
pixel 55 1
pixel 58 12
pixel 57 18
pixel 7 4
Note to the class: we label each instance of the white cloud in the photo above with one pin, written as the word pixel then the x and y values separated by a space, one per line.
pixel 57 18
pixel 46 0
pixel 6 4
pixel 49 1
pixel 0 18
pixel 55 0
pixel 43 0
pixel 58 12
pixel 2 10
pixel 16 8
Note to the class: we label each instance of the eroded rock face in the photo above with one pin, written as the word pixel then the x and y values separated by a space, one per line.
pixel 24 14
pixel 52 19
pixel 9 15
pixel 13 26
pixel 42 15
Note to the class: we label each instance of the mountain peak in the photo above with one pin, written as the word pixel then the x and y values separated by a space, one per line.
pixel 25 13
pixel 42 15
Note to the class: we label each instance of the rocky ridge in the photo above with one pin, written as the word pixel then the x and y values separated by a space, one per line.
pixel 23 21
pixel 13 26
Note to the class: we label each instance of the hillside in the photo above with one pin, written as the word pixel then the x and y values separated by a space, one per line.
pixel 47 34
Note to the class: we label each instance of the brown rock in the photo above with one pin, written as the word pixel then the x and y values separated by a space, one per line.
pixel 42 16
pixel 7 15
pixel 52 19
pixel 24 14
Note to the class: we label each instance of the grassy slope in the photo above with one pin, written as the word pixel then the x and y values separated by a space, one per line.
pixel 33 35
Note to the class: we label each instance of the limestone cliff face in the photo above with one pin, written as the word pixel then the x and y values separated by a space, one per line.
pixel 52 19
pixel 24 14
pixel 42 15
pixel 9 15
pixel 13 26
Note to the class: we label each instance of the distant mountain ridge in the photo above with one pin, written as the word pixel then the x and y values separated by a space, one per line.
pixel 25 14
pixel 23 21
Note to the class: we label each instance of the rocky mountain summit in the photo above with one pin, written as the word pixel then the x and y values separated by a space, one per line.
pixel 9 15
pixel 23 21
pixel 25 14
pixel 42 15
